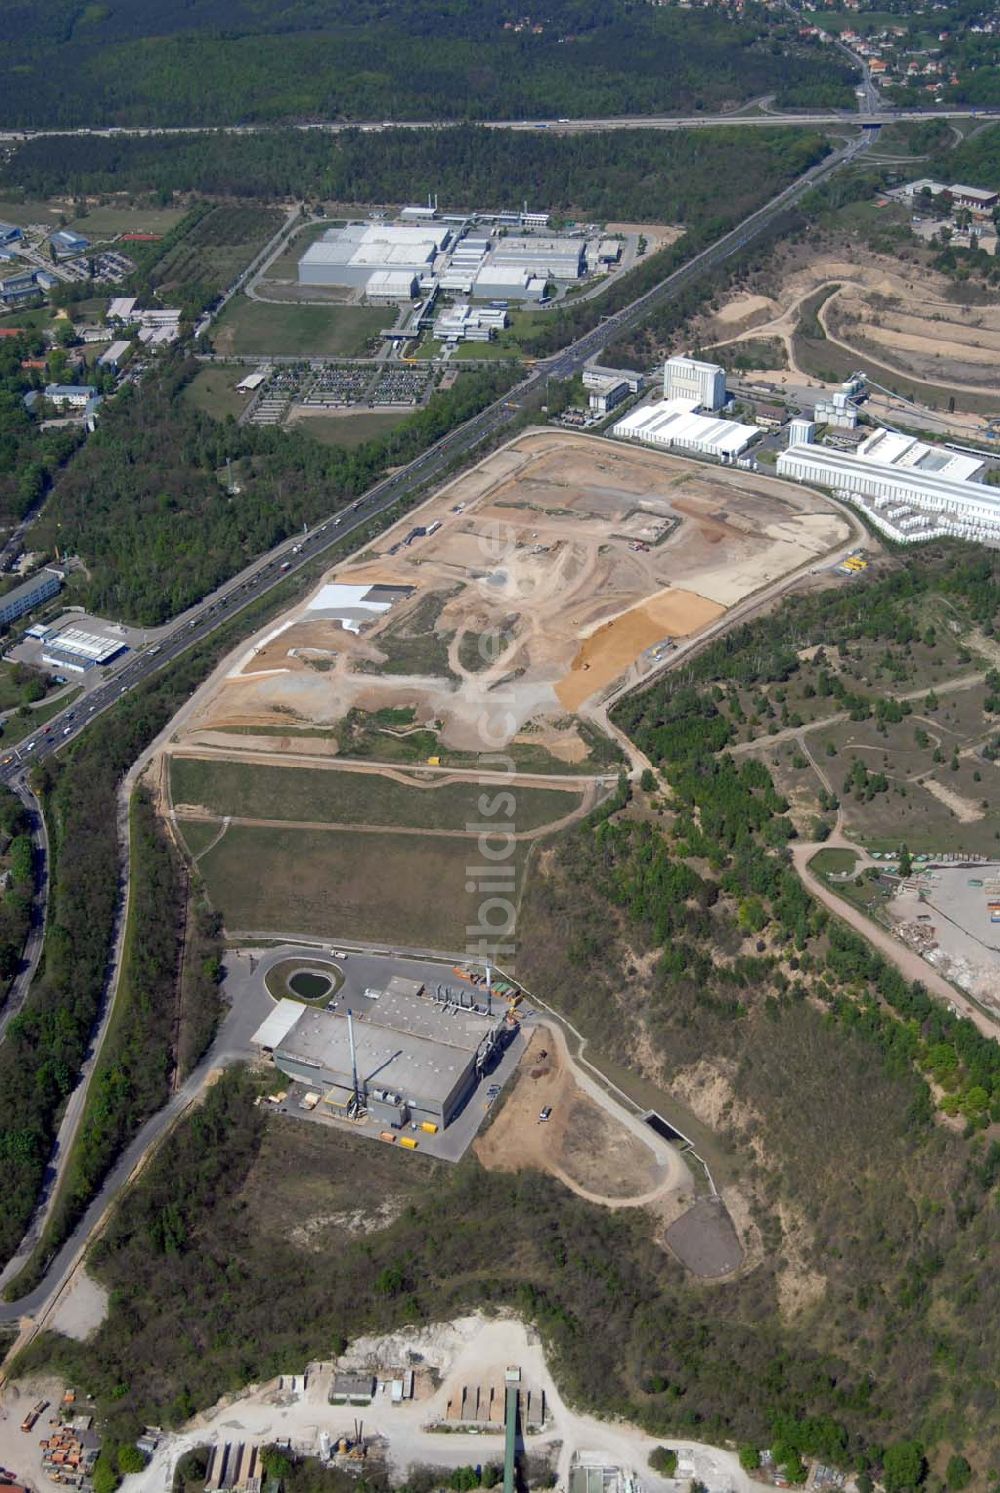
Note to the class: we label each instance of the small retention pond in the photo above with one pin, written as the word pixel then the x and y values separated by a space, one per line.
pixel 310 985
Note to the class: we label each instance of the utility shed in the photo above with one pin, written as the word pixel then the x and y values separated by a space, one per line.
pixel 276 1025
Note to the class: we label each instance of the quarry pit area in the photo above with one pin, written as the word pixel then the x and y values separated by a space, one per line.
pixel 516 598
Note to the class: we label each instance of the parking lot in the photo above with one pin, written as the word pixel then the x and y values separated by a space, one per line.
pixel 337 386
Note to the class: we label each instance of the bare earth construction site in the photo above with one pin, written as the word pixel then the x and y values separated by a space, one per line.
pixel 581 556
pixel 326 778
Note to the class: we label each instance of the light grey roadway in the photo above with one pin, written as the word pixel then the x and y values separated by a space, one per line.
pixel 598 124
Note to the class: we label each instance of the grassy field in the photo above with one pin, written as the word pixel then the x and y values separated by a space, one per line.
pixel 391 888
pixel 833 862
pixel 212 391
pixel 213 251
pixel 106 222
pixel 318 794
pixel 248 327
pixel 33 318
pixel 348 430
pixel 18 686
pixel 197 834
pixel 30 212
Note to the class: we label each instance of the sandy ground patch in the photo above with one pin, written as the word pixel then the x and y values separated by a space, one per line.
pixel 580 1144
pixel 608 652
pixel 83 1308
pixel 964 810
pixel 902 312
pixel 467 1350
pixel 546 542
pixel 744 306
pixel 657 235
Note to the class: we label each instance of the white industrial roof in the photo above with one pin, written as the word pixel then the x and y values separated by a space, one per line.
pixel 122 307
pixel 695 363
pixel 277 1024
pixel 89 645
pixel 674 422
pixel 977 194
pixel 391 282
pixel 251 382
pixel 828 463
pixel 549 247
pixel 892 448
pixel 498 274
pixel 115 351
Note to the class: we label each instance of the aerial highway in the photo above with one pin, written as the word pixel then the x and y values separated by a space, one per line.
pixel 872 111
pixel 272 569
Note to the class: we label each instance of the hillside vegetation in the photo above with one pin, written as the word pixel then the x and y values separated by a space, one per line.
pixel 144 502
pixel 647 175
pixel 213 63
pixel 671 928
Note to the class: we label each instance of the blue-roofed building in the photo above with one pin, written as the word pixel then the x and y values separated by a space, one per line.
pixel 66 243
pixel 16 289
pixel 10 233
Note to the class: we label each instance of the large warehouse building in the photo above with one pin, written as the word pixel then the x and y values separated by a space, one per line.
pixel 675 423
pixel 687 378
pixel 549 258
pixel 351 256
pixel 908 494
pixel 406 1056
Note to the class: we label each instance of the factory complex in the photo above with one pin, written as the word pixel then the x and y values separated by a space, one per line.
pixel 476 256
pixel 408 1053
pixel 687 417
pixel 909 489
pixel 676 424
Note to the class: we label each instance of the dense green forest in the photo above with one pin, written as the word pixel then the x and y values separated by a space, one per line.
pixel 975 160
pixel 643 175
pixel 210 63
pixel 28 456
pixel 45 1043
pixel 132 1078
pixel 18 860
pixel 146 505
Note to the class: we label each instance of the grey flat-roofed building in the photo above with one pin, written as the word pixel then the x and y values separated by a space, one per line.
pixel 80 651
pixel 414 1057
pixel 28 594
pixel 350 256
pixel 552 258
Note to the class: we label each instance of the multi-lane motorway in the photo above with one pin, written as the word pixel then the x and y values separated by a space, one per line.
pixel 872 112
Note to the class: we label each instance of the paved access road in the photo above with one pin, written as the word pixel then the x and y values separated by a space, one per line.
pixel 871 112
